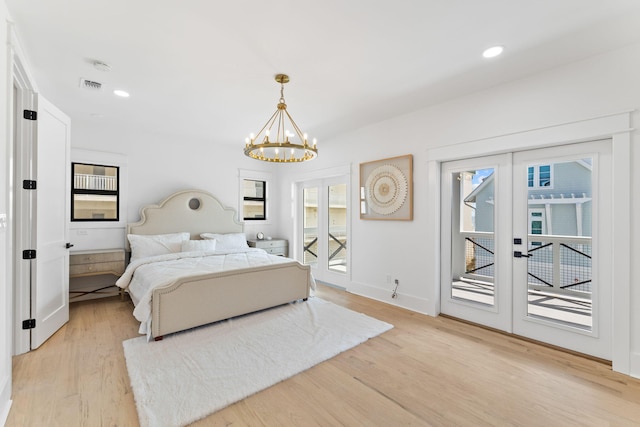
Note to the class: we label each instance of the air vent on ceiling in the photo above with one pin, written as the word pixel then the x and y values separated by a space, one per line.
pixel 90 84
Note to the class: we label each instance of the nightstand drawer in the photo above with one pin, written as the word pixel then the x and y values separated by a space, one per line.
pixel 274 246
pixel 282 250
pixel 264 244
pixel 116 268
pixel 95 257
pixel 89 263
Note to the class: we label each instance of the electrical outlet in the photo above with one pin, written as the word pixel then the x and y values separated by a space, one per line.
pixel 389 278
pixel 82 232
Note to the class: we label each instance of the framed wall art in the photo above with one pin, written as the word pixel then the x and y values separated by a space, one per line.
pixel 386 189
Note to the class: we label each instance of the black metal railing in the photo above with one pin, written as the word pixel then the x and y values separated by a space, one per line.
pixel 337 246
pixel 479 257
pixel 560 263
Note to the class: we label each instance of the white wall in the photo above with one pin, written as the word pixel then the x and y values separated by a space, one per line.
pixel 5 248
pixel 597 86
pixel 158 165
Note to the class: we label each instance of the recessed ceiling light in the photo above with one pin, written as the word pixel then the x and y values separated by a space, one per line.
pixel 493 51
pixel 121 93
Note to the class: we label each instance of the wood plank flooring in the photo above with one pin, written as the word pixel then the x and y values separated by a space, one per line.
pixel 424 372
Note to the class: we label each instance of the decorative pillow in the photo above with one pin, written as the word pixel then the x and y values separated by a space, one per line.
pixel 227 241
pixel 198 245
pixel 143 246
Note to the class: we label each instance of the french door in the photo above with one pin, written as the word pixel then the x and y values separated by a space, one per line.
pixel 476 264
pixel 526 241
pixel 324 229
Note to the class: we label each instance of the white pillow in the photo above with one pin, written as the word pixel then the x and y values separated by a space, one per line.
pixel 198 245
pixel 227 241
pixel 143 246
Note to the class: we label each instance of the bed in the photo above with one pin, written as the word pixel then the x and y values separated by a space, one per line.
pixel 193 267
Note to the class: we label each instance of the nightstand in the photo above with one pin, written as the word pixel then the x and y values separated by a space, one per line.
pixel 93 274
pixel 273 246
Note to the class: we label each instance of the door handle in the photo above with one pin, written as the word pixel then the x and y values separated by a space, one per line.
pixel 518 254
pixel 68 245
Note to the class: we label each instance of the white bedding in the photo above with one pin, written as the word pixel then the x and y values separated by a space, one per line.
pixel 145 274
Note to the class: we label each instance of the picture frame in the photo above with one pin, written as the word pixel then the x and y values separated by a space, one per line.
pixel 386 189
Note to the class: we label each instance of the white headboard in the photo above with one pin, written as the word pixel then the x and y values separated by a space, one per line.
pixel 195 211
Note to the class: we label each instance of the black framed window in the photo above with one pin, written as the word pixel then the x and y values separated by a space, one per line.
pixel 254 200
pixel 95 192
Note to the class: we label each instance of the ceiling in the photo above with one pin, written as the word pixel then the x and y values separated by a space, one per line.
pixel 205 69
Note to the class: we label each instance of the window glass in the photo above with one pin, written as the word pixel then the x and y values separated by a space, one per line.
pixel 94 192
pixel 539 176
pixel 545 176
pixel 254 204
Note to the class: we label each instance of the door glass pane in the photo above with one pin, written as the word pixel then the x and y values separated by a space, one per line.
pixel 310 226
pixel 559 249
pixel 337 228
pixel 472 242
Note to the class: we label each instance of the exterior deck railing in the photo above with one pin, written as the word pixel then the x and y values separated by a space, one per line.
pixel 561 264
pixel 337 247
pixel 95 182
pixel 479 255
pixel 556 264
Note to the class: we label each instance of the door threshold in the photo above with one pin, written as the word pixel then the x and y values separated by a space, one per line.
pixel 531 340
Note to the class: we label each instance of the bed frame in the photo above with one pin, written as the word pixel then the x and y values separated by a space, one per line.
pixel 203 299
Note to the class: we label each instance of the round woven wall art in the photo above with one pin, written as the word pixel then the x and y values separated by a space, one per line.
pixel 387 189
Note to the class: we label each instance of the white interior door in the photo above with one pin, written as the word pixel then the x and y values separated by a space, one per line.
pixel 562 216
pixel 50 209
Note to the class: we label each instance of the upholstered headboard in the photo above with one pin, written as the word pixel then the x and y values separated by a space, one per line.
pixel 193 211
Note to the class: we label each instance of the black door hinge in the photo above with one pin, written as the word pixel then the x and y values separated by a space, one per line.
pixel 29 184
pixel 29 324
pixel 29 254
pixel 30 115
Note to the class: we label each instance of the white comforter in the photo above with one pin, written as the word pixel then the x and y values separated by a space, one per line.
pixel 143 275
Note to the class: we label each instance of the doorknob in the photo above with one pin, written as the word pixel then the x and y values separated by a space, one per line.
pixel 68 245
pixel 518 254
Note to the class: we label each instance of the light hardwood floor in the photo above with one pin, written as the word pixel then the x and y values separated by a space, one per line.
pixel 424 372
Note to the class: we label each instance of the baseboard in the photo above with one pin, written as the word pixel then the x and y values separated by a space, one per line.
pixel 634 370
pixel 4 413
pixel 5 399
pixel 410 302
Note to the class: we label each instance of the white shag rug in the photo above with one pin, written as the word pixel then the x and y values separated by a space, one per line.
pixel 192 374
